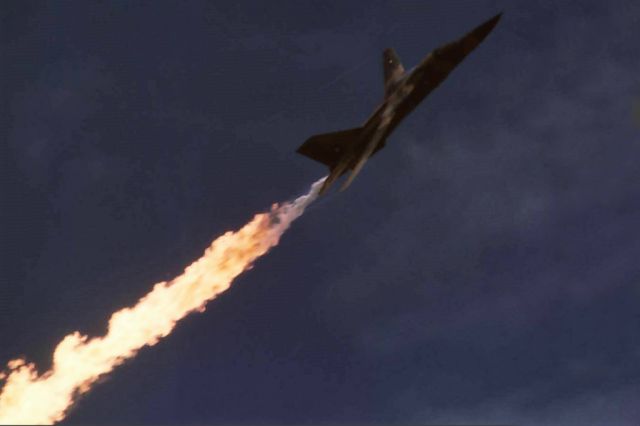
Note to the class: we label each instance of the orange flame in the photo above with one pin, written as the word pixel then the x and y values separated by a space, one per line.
pixel 29 398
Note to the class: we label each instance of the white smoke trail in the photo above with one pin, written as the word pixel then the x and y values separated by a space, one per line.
pixel 31 398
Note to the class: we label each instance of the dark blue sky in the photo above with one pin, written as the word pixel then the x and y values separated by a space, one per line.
pixel 484 268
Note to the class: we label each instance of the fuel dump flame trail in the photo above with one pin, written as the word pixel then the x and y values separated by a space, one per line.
pixel 29 398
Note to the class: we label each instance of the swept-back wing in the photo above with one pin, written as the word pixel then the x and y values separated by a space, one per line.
pixel 327 148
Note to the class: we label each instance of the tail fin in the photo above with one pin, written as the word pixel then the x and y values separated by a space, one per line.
pixel 329 147
pixel 392 67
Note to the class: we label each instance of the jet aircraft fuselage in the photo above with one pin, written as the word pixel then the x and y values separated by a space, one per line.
pixel 350 149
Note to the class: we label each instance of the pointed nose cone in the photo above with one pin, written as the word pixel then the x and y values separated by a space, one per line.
pixel 481 31
pixel 473 38
pixel 456 51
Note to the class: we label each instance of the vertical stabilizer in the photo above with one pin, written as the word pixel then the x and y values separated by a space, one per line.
pixel 392 67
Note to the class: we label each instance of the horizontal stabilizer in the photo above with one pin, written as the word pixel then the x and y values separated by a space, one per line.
pixel 327 148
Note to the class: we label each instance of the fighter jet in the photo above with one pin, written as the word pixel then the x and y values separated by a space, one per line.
pixel 403 91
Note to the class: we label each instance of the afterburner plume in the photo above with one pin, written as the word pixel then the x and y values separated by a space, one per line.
pixel 78 361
